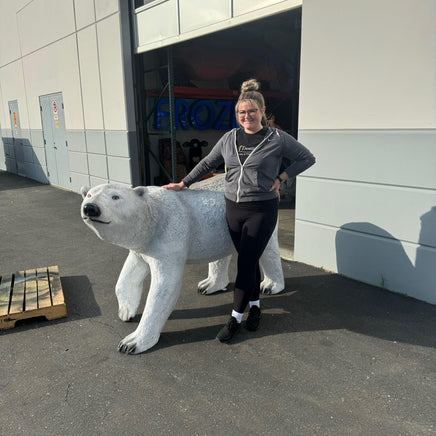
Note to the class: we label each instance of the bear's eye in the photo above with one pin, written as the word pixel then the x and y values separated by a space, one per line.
pixel 115 197
pixel 89 195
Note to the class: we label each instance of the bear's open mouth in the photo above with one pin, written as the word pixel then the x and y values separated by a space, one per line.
pixel 96 220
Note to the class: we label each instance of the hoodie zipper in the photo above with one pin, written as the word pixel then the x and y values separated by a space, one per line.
pixel 238 192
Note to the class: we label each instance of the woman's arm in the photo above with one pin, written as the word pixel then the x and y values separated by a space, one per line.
pixel 301 158
pixel 205 166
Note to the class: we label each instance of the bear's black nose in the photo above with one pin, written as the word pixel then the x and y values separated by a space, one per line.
pixel 91 210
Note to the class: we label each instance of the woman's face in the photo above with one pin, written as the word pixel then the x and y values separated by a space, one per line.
pixel 249 116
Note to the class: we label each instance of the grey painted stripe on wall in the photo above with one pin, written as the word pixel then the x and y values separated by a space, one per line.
pixel 78 162
pixel 98 165
pixel 2 154
pixel 37 138
pixel 367 209
pixel 95 141
pixel 396 210
pixel 87 156
pixel 76 140
pixel 6 133
pixel 387 263
pixel 117 143
pixel 394 157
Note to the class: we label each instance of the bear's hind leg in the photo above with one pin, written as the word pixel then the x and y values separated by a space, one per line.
pixel 271 267
pixel 130 284
pixel 218 277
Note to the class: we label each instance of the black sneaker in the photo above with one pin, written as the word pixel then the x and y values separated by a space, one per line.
pixel 253 319
pixel 231 327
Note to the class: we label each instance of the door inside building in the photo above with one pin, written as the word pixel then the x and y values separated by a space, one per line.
pixel 55 140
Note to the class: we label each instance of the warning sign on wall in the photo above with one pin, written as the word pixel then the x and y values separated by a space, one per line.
pixel 55 111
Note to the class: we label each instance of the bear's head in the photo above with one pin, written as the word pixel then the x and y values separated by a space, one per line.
pixel 116 213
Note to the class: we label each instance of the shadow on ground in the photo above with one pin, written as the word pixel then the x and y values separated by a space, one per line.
pixel 316 303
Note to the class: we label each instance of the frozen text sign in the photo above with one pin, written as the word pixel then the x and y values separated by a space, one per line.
pixel 195 114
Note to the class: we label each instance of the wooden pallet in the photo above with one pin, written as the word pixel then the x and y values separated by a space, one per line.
pixel 30 294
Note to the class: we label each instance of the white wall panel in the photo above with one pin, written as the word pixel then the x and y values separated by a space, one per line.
pixel 54 69
pixel 76 140
pixel 119 169
pixel 41 22
pixel 314 244
pixel 97 165
pixel 3 117
pixel 241 7
pixel 12 85
pixel 78 180
pixel 85 13
pixel 78 162
pixel 95 141
pixel 375 209
pixel 195 14
pixel 111 73
pixel 157 23
pixel 117 143
pixel 9 40
pixel 103 8
pixel 404 158
pixel 90 78
pixel 368 64
pixel 366 209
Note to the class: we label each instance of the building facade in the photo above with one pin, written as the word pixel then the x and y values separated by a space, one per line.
pixel 97 91
pixel 65 93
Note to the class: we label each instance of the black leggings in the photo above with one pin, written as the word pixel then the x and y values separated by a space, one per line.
pixel 251 225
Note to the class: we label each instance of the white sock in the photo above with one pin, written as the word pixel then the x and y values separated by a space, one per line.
pixel 237 315
pixel 255 303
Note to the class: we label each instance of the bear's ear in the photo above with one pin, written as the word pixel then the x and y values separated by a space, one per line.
pixel 140 191
pixel 84 190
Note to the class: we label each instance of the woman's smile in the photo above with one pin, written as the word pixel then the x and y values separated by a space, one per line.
pixel 250 117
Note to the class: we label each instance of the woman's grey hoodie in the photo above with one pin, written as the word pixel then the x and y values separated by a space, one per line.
pixel 252 180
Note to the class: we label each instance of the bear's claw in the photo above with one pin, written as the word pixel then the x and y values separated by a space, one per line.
pixel 271 290
pixel 127 349
pixel 208 291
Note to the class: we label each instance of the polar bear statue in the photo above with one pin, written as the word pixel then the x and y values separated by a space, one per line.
pixel 163 230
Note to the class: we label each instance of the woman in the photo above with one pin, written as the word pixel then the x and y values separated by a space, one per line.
pixel 253 156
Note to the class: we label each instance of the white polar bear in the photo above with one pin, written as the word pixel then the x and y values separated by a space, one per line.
pixel 163 230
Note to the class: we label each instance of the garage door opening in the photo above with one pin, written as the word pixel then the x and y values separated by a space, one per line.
pixel 190 89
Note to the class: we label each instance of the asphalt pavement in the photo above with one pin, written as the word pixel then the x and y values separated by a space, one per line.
pixel 333 356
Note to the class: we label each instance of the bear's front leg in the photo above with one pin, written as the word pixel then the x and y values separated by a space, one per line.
pixel 166 283
pixel 130 285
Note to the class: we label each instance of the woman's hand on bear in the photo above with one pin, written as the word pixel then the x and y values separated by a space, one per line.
pixel 174 186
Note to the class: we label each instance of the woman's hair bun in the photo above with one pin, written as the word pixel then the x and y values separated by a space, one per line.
pixel 250 85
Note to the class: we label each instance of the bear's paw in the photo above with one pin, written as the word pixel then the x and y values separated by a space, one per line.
pixel 136 343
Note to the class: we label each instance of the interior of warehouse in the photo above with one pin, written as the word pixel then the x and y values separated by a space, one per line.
pixel 206 73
